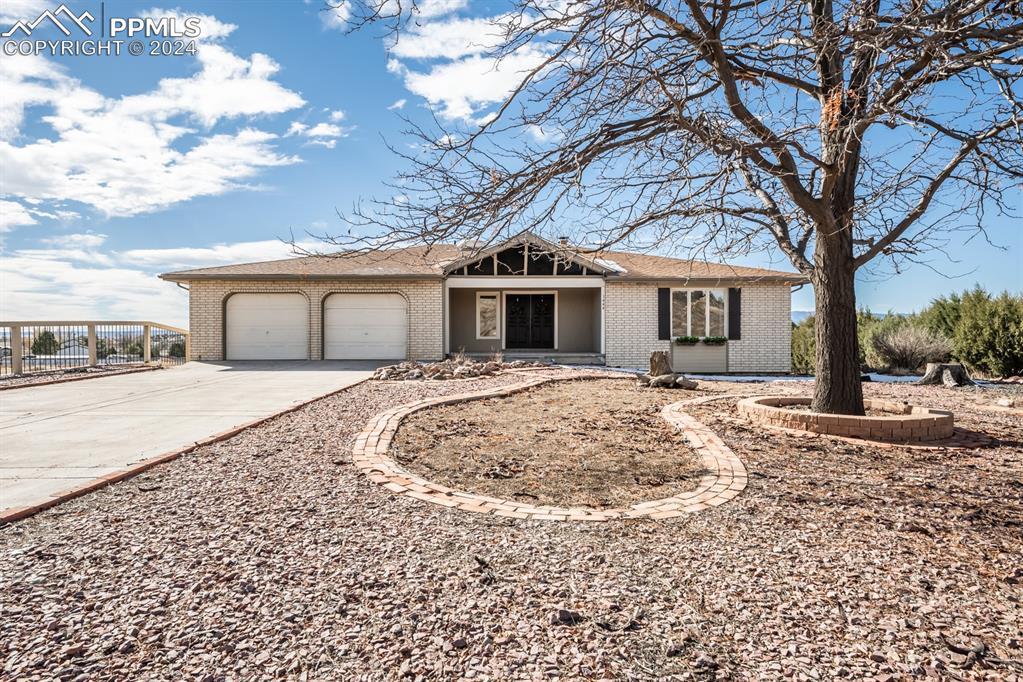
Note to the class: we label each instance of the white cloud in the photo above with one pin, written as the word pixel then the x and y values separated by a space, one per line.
pixel 73 277
pixel 436 8
pixel 184 258
pixel 27 10
pixel 455 65
pixel 337 115
pixel 459 89
pixel 450 39
pixel 13 214
pixel 321 134
pixel 210 28
pixel 540 135
pixel 84 240
pixel 63 288
pixel 325 130
pixel 400 104
pixel 135 154
pixel 336 15
pixel 395 66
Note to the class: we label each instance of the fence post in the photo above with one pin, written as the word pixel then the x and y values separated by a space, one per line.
pixel 93 351
pixel 147 340
pixel 188 347
pixel 16 350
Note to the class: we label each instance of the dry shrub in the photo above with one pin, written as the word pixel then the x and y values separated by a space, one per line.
pixel 909 347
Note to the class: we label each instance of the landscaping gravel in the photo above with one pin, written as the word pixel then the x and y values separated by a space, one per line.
pixel 268 556
pixel 77 374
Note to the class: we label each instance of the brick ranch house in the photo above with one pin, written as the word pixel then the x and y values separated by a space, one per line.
pixel 526 297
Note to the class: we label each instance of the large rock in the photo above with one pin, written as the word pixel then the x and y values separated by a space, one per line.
pixel 454 368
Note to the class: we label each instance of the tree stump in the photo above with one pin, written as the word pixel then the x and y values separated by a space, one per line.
pixel 660 363
pixel 950 375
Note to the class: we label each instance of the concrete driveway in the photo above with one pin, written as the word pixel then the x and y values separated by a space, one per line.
pixel 64 435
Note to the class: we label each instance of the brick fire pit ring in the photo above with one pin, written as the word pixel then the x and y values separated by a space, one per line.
pixel 907 423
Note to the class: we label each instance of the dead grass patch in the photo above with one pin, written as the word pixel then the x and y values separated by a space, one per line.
pixel 597 443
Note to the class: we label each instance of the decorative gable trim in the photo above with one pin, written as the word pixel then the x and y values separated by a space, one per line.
pixel 527 239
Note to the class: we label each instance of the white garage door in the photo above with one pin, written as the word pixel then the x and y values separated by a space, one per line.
pixel 267 327
pixel 365 327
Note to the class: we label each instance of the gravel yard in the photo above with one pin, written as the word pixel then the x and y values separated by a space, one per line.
pixel 596 444
pixel 78 374
pixel 268 555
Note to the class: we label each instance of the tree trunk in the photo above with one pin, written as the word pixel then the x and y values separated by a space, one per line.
pixel 950 375
pixel 837 389
pixel 660 363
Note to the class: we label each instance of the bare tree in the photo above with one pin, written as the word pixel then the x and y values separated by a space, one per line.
pixel 840 133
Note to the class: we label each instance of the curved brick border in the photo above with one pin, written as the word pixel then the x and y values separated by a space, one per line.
pixel 726 477
pixel 907 423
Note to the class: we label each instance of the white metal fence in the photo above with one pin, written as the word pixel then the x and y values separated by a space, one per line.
pixel 40 346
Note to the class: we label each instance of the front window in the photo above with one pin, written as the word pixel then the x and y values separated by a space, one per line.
pixel 486 316
pixel 698 312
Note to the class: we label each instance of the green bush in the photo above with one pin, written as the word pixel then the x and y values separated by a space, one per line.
pixel 804 346
pixel 985 332
pixel 715 340
pixel 45 344
pixel 988 332
pixel 869 327
pixel 176 350
pixel 687 340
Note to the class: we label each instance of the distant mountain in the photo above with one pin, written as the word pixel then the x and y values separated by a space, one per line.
pixel 800 315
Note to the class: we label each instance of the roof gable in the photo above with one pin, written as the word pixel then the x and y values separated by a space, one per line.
pixel 529 239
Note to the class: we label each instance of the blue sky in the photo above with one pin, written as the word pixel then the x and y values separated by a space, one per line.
pixel 116 168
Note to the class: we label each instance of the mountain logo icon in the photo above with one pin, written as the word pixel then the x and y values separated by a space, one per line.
pixel 62 11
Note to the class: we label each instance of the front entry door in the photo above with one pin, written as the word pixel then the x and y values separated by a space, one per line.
pixel 529 321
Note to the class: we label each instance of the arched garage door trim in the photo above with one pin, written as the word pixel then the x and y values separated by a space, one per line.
pixel 325 353
pixel 225 323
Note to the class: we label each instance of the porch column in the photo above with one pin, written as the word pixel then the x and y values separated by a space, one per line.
pixel 603 320
pixel 445 296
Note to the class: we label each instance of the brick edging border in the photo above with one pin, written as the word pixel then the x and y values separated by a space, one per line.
pixel 903 423
pixel 67 380
pixel 727 477
pixel 18 513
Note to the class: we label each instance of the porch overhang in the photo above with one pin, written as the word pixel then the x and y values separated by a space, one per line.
pixel 526 282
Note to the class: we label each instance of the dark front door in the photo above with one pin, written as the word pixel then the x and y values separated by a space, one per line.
pixel 529 321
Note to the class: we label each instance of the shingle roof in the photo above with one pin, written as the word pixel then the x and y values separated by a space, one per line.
pixel 428 263
pixel 642 266
pixel 413 262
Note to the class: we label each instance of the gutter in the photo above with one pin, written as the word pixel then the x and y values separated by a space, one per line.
pixel 174 277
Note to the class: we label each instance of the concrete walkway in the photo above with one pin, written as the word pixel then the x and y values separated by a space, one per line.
pixel 64 435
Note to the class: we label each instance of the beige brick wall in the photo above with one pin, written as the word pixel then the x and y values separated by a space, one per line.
pixel 425 300
pixel 630 332
pixel 766 344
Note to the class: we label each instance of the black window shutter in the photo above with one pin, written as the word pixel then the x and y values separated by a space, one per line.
pixel 734 314
pixel 664 314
